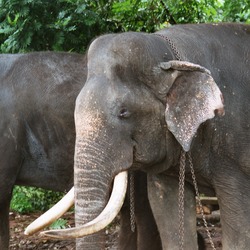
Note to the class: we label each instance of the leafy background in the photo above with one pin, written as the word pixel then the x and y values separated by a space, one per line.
pixel 70 25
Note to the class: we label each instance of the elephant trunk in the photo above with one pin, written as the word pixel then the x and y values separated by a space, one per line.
pixel 92 186
pixel 93 181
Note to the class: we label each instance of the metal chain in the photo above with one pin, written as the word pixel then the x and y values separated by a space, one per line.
pixel 132 201
pixel 181 199
pixel 172 46
pixel 199 200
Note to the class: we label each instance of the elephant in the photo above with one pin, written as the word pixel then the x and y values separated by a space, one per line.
pixel 37 131
pixel 38 92
pixel 150 99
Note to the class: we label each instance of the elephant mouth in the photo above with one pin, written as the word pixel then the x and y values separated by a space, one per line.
pixel 100 222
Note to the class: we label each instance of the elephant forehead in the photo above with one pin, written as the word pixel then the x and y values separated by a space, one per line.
pixel 123 52
pixel 122 44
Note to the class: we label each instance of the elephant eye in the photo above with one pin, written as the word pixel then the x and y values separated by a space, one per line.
pixel 124 113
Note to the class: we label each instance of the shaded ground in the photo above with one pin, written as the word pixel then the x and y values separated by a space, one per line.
pixel 18 222
pixel 215 231
pixel 19 241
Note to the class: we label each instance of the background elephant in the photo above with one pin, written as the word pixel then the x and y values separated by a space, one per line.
pixel 37 131
pixel 140 108
pixel 38 92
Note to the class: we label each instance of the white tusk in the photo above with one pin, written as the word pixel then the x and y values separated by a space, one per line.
pixel 60 208
pixel 105 217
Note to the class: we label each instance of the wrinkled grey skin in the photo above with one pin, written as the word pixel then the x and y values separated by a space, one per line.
pixel 123 126
pixel 37 131
pixel 38 92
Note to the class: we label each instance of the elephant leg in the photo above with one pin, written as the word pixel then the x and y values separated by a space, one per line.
pixel 147 231
pixel 9 167
pixel 4 223
pixel 233 195
pixel 163 197
pixel 146 235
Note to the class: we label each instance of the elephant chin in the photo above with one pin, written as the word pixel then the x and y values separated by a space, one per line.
pixel 104 219
pixel 52 214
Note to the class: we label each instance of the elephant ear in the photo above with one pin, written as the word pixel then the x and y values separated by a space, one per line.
pixel 192 99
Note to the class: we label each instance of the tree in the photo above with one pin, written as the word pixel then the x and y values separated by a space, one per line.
pixel 69 25
pixel 236 11
pixel 28 25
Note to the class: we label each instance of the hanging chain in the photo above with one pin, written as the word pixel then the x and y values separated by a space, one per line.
pixel 132 201
pixel 171 45
pixel 199 200
pixel 181 199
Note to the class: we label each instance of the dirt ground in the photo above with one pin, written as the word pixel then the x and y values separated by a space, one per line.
pixel 18 222
pixel 19 241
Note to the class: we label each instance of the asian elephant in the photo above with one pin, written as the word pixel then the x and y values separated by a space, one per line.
pixel 147 99
pixel 37 131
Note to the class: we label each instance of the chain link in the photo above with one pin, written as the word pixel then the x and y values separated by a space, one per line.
pixel 132 201
pixel 199 200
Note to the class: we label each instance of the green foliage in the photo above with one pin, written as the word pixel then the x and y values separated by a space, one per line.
pixel 29 199
pixel 59 224
pixel 237 11
pixel 46 25
pixel 136 15
pixel 69 25
pixel 195 11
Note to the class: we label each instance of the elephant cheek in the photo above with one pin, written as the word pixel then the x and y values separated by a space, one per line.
pixel 150 148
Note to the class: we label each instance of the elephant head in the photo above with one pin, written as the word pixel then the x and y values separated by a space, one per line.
pixel 137 110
